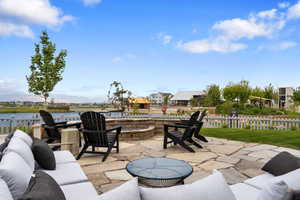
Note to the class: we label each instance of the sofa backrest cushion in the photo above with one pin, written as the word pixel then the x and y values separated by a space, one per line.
pixel 127 191
pixel 2 148
pixel 213 187
pixel 23 136
pixel 18 146
pixel 282 163
pixel 278 190
pixel 15 172
pixel 4 191
pixel 42 186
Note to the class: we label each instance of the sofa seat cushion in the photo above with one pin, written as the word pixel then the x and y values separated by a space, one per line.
pixel 259 181
pixel 67 173
pixel 277 190
pixel 43 187
pixel 4 191
pixel 213 187
pixel 243 191
pixel 16 173
pixel 23 136
pixel 63 157
pixel 291 179
pixel 80 191
pixel 127 191
pixel 20 147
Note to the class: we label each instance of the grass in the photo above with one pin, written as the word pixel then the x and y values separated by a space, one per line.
pixel 25 110
pixel 290 139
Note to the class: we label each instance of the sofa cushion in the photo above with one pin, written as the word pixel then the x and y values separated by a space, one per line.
pixel 275 191
pixel 43 187
pixel 15 172
pixel 2 148
pixel 213 187
pixel 23 136
pixel 18 146
pixel 259 181
pixel 80 191
pixel 63 157
pixel 291 179
pixel 243 191
pixel 67 173
pixel 282 163
pixel 43 154
pixel 4 191
pixel 127 191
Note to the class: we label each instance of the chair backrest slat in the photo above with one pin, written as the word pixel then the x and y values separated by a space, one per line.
pixel 51 130
pixel 195 116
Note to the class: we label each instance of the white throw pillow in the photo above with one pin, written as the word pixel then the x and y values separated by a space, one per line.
pixel 20 147
pixel 4 191
pixel 23 136
pixel 213 187
pixel 127 191
pixel 291 179
pixel 278 190
pixel 16 173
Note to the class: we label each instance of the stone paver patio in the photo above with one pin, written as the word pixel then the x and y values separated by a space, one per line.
pixel 236 160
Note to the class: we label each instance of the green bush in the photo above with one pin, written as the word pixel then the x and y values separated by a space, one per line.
pixel 248 127
pixel 225 126
pixel 294 128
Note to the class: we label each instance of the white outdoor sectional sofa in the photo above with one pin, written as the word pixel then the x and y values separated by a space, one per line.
pixel 17 167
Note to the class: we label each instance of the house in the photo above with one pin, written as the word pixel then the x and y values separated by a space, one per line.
pixel 158 98
pixel 143 103
pixel 183 98
pixel 285 97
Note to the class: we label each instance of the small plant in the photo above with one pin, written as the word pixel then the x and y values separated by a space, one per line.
pixel 248 127
pixel 225 126
pixel 294 128
pixel 135 108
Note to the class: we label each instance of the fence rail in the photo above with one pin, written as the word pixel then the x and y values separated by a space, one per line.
pixel 257 123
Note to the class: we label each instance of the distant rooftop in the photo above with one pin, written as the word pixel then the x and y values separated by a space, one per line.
pixel 186 95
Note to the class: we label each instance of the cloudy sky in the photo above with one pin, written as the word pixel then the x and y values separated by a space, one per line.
pixel 149 46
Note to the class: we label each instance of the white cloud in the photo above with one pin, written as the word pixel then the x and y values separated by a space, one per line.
pixel 123 58
pixel 117 60
pixel 34 11
pixel 294 11
pixel 165 38
pixel 268 13
pixel 287 44
pixel 10 29
pixel 207 45
pixel 283 5
pixel 91 2
pixel 278 46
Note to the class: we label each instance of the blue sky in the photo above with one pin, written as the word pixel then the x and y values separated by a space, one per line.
pixel 165 45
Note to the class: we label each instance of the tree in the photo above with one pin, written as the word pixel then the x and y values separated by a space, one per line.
pixel 46 69
pixel 213 95
pixel 257 92
pixel 296 96
pixel 239 92
pixel 271 93
pixel 166 99
pixel 194 102
pixel 116 94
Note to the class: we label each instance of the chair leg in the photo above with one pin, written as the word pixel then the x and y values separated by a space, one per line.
pixel 82 152
pixel 93 148
pixel 186 147
pixel 165 141
pixel 107 153
pixel 117 145
pixel 194 143
pixel 202 138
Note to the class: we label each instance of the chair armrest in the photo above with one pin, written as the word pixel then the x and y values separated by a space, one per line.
pixel 59 144
pixel 176 126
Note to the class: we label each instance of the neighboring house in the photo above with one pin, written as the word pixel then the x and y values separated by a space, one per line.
pixel 285 97
pixel 183 98
pixel 158 98
pixel 143 103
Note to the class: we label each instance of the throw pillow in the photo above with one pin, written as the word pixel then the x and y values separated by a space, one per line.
pixel 42 186
pixel 213 187
pixel 127 191
pixel 275 191
pixel 282 163
pixel 43 155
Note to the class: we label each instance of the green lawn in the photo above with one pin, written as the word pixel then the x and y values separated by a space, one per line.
pixel 289 139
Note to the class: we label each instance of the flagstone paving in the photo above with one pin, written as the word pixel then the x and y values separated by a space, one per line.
pixel 236 160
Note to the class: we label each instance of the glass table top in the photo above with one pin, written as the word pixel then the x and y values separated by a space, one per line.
pixel 159 168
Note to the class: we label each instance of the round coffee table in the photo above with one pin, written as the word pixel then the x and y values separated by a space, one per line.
pixel 159 172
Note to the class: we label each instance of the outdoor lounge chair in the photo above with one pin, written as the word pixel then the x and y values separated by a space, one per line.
pixel 178 137
pixel 95 134
pixel 52 128
pixel 193 118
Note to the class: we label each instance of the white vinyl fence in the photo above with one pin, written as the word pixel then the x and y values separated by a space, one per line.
pixel 256 123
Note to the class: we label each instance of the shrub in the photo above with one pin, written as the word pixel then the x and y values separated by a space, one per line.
pixel 225 126
pixel 248 127
pixel 294 128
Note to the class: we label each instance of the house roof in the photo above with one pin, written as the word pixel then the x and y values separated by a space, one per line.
pixel 139 100
pixel 186 95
